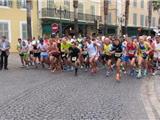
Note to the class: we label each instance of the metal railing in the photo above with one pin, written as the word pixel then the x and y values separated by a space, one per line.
pixel 6 3
pixel 64 14
pixel 21 4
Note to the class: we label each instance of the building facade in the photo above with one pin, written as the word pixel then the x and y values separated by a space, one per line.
pixel 13 20
pixel 62 12
pixel 90 15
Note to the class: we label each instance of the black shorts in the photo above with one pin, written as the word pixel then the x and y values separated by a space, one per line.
pixel 107 57
pixel 31 53
pixel 37 55
pixel 64 55
pixel 56 54
pixel 131 57
pixel 151 56
pixel 85 55
pixel 21 54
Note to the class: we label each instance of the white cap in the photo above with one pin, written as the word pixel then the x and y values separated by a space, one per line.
pixel 149 37
pixel 73 40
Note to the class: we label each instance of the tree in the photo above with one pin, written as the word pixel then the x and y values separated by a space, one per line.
pixel 156 7
pixel 106 5
pixel 126 14
pixel 75 6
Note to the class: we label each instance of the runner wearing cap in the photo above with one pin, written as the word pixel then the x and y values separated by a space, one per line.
pixel 144 49
pixel 107 56
pixel 116 52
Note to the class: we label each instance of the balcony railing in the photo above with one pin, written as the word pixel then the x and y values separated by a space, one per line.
pixel 21 4
pixel 6 3
pixel 64 14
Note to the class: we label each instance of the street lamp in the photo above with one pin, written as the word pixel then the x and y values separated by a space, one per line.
pixel 60 11
pixel 149 15
pixel 75 6
pixel 121 21
pixel 106 3
pixel 29 25
pixel 159 19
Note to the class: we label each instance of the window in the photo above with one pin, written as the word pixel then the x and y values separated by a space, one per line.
pixel 93 10
pixel 109 20
pixel 134 3
pixel 146 21
pixel 80 8
pixel 142 3
pixel 4 29
pixel 142 20
pixel 67 4
pixel 153 21
pixel 7 3
pixel 134 19
pixel 23 31
pixel 50 3
pixel 109 1
pixel 21 3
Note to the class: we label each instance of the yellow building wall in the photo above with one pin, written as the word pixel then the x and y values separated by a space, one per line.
pixel 139 11
pixel 15 16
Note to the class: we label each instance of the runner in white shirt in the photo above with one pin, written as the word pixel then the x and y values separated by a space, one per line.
pixel 44 54
pixel 157 52
pixel 24 52
pixel 92 49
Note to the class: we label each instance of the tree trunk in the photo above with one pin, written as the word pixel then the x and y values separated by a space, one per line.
pixel 75 6
pixel 126 14
pixel 105 15
pixel 149 16
pixel 29 24
pixel 159 18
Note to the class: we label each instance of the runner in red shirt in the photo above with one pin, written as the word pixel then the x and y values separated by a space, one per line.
pixel 132 54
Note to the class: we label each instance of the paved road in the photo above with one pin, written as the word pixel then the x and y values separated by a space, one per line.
pixel 41 95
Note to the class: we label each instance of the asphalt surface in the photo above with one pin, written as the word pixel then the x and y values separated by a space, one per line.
pixel 38 94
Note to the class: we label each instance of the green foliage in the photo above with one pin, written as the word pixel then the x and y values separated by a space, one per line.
pixel 156 4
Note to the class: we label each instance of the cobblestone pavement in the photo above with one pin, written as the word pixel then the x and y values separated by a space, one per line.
pixel 41 95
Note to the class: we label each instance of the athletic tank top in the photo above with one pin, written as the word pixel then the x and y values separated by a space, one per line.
pixel 131 49
pixel 92 51
pixel 118 50
pixel 106 49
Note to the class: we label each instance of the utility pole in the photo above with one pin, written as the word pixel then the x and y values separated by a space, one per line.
pixel 126 14
pixel 60 22
pixel 29 24
pixel 149 15
pixel 75 6
pixel 105 15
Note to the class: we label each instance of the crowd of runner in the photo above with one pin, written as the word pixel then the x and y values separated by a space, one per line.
pixel 132 55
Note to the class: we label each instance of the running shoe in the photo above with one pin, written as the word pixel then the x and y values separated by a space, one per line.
pixel 131 72
pixel 72 68
pixel 76 71
pixel 154 73
pixel 27 67
pixel 43 66
pixel 118 77
pixel 145 73
pixel 139 75
pixel 107 74
pixel 125 72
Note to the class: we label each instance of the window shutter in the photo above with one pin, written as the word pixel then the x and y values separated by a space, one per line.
pixel 18 3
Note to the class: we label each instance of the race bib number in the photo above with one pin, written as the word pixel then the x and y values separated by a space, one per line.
pixel 131 52
pixel 74 58
pixel 143 51
pixel 63 55
pixel 85 53
pixel 118 54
